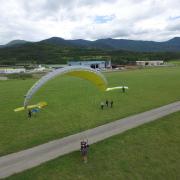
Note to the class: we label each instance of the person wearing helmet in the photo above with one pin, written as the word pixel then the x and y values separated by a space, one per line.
pixel 84 150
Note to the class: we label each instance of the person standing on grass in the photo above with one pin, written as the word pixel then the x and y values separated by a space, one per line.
pixel 107 103
pixel 111 103
pixel 102 105
pixel 29 113
pixel 84 150
pixel 123 89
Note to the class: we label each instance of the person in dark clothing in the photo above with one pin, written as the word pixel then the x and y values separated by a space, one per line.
pixel 107 103
pixel 29 113
pixel 111 103
pixel 102 105
pixel 84 150
pixel 123 89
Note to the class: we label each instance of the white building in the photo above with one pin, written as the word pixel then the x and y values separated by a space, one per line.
pixel 92 64
pixel 12 70
pixel 150 63
pixel 40 68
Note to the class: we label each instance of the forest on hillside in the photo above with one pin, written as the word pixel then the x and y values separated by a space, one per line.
pixel 44 53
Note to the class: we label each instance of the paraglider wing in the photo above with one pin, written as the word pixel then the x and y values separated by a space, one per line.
pixel 78 71
pixel 38 105
pixel 118 87
pixel 95 78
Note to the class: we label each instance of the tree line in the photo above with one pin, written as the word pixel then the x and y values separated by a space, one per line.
pixel 44 53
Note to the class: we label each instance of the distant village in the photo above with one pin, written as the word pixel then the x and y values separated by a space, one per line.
pixel 95 64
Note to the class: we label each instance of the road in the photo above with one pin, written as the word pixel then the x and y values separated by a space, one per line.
pixel 20 161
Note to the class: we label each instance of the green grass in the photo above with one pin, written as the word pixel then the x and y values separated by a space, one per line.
pixel 73 105
pixel 150 151
pixel 175 62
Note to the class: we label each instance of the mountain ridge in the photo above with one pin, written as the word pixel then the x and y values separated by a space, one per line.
pixel 172 45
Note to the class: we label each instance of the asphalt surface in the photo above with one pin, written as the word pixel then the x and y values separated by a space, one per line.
pixel 20 161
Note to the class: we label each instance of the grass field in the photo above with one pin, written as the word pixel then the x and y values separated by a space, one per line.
pixel 74 105
pixel 175 62
pixel 150 151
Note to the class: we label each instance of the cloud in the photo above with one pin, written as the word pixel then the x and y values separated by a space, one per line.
pixel 89 19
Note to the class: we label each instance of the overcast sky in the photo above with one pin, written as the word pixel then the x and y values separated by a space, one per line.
pixel 34 20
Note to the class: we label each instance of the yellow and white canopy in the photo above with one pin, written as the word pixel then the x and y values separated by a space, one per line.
pixel 78 71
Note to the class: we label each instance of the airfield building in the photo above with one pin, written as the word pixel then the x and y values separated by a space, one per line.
pixel 150 63
pixel 12 70
pixel 92 64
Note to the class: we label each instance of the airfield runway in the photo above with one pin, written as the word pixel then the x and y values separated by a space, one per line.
pixel 20 161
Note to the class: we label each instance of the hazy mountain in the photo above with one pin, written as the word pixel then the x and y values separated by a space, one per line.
pixel 73 43
pixel 120 44
pixel 108 44
pixel 59 51
pixel 56 41
pixel 175 40
pixel 16 43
